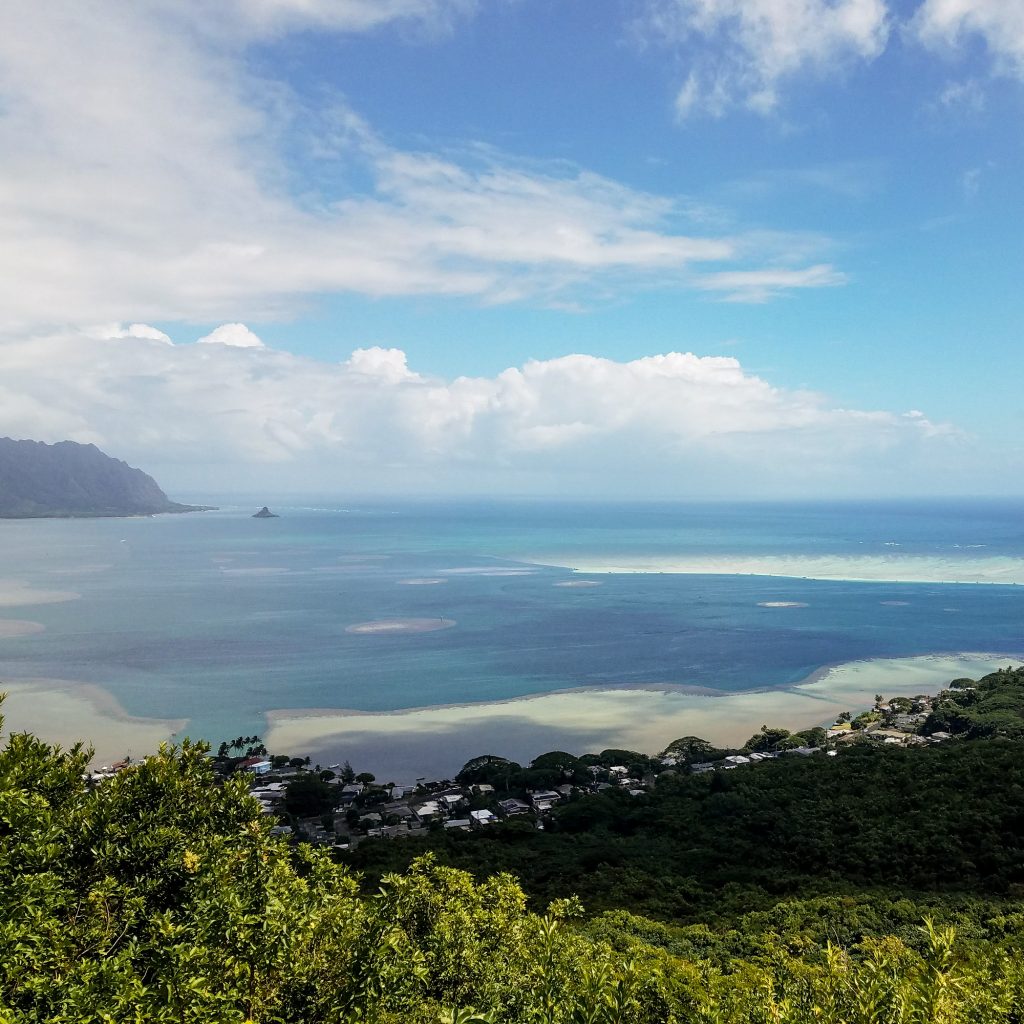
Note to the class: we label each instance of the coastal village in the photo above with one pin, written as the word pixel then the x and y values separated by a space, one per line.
pixel 334 806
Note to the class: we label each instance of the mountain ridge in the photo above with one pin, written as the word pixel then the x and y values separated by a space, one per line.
pixel 72 480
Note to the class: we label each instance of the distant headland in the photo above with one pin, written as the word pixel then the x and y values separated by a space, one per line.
pixel 71 480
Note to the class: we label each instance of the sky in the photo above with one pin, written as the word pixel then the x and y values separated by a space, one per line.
pixel 581 248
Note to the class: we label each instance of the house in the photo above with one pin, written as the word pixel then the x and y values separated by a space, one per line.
pixel 428 811
pixel 512 807
pixel 702 767
pixel 457 825
pixel 804 751
pixel 544 799
pixel 909 723
pixel 398 810
pixel 735 760
pixel 478 819
pixel 255 765
pixel 483 789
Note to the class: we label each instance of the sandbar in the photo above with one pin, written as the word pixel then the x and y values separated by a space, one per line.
pixel 81 570
pixel 438 740
pixel 488 571
pixel 851 568
pixel 62 711
pixel 391 626
pixel 10 628
pixel 257 570
pixel 14 593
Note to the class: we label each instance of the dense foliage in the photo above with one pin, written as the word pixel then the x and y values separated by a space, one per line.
pixel 992 706
pixel 944 819
pixel 160 895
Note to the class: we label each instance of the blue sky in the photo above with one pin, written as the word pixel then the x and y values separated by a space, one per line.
pixel 820 200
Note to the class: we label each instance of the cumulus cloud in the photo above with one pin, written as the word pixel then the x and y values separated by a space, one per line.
pixel 742 52
pixel 147 178
pixel 947 25
pixel 116 330
pixel 237 335
pixel 223 415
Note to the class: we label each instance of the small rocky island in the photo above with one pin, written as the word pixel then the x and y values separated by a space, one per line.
pixel 265 513
pixel 71 480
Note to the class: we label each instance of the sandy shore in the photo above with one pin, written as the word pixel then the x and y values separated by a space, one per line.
pixel 855 569
pixel 63 712
pixel 438 740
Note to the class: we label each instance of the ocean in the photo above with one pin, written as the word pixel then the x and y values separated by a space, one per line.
pixel 209 621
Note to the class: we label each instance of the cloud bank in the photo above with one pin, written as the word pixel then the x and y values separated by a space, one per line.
pixel 230 416
pixel 155 176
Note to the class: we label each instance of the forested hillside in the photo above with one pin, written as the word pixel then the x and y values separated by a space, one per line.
pixel 160 895
pixel 948 819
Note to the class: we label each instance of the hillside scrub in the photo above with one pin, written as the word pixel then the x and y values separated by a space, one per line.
pixel 159 895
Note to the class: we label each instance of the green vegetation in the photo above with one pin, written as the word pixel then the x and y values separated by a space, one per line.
pixel 993 706
pixel 948 818
pixel 880 886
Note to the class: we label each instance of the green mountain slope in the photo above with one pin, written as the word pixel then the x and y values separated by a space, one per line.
pixel 69 479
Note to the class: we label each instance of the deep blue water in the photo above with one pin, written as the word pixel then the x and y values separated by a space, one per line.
pixel 218 617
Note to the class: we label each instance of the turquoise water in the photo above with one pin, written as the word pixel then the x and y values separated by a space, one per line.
pixel 218 617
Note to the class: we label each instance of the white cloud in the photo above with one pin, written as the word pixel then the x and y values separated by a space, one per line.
pixel 742 52
pixel 223 417
pixel 147 178
pixel 967 96
pixel 949 24
pixel 762 285
pixel 117 330
pixel 237 335
pixel 261 18
pixel 385 364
